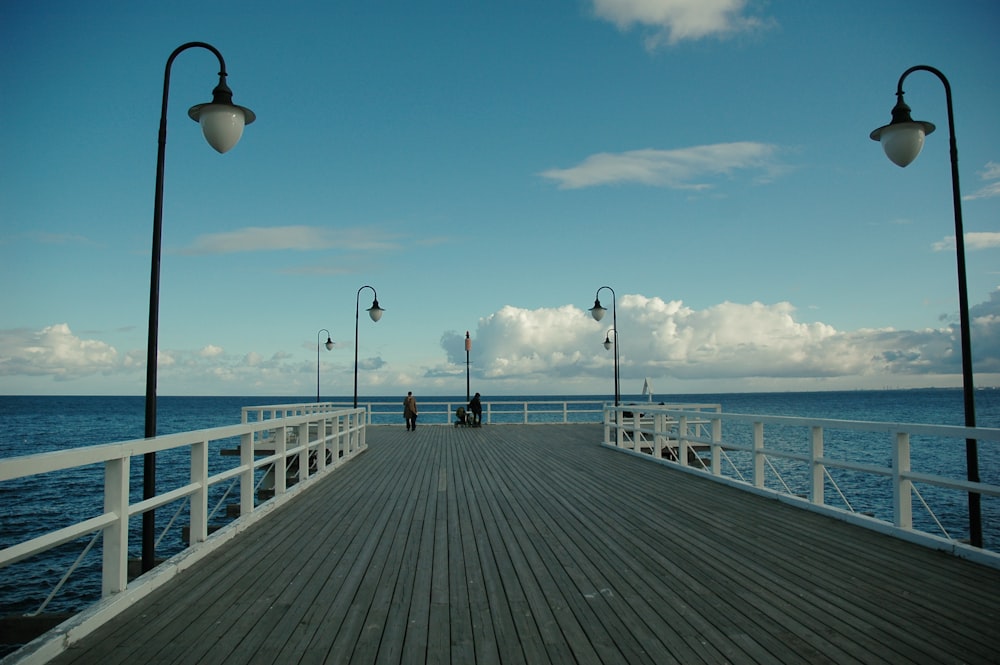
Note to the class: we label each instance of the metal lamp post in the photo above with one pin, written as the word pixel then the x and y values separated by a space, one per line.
pixel 598 312
pixel 468 347
pixel 329 345
pixel 375 312
pixel 902 139
pixel 222 123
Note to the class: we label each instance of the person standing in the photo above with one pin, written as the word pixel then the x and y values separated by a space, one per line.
pixel 476 407
pixel 410 411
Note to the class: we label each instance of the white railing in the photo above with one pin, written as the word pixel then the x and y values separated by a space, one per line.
pixel 305 441
pixel 503 412
pixel 822 462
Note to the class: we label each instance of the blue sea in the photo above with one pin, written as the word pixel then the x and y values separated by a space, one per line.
pixel 40 424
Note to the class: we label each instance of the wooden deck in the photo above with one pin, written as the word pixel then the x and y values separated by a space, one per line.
pixel 534 544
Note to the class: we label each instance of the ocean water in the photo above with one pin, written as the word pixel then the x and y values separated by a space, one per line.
pixel 39 424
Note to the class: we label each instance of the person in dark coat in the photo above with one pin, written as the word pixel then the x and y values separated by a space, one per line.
pixel 476 408
pixel 410 412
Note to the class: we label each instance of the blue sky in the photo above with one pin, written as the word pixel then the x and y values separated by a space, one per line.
pixel 487 167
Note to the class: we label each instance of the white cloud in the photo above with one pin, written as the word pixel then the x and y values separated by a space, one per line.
pixel 973 241
pixel 299 238
pixel 736 346
pixel 672 21
pixel 730 341
pixel 990 172
pixel 54 351
pixel 685 168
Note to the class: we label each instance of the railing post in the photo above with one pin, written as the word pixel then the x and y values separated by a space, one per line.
pixel 281 464
pixel 303 444
pixel 115 546
pixel 758 454
pixel 246 477
pixel 363 436
pixel 619 430
pixel 354 440
pixel 659 433
pixel 321 444
pixel 682 443
pixel 525 413
pixel 716 448
pixel 816 466
pixel 636 434
pixel 199 500
pixel 607 426
pixel 902 494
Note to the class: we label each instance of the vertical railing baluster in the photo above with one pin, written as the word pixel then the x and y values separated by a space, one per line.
pixel 902 494
pixel 303 444
pixel 247 475
pixel 758 454
pixel 116 500
pixel 716 447
pixel 816 467
pixel 682 440
pixel 281 464
pixel 659 433
pixel 199 499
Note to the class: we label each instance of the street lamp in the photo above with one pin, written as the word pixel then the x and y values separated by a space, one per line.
pixel 468 347
pixel 375 312
pixel 598 312
pixel 329 345
pixel 222 123
pixel 902 140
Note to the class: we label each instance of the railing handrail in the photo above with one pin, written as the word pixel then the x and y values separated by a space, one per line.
pixel 443 410
pixel 682 431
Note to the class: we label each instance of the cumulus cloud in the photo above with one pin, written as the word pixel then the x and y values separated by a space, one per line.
pixel 733 341
pixel 555 350
pixel 668 22
pixel 53 351
pixel 684 168
pixel 298 238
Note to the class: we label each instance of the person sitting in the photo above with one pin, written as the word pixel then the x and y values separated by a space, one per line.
pixel 462 416
pixel 476 407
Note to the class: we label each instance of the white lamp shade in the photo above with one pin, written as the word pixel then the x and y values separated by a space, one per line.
pixel 607 342
pixel 902 141
pixel 375 312
pixel 598 312
pixel 222 125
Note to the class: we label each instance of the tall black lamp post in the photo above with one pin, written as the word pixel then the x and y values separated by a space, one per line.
pixel 375 312
pixel 468 347
pixel 329 345
pixel 902 139
pixel 598 312
pixel 222 123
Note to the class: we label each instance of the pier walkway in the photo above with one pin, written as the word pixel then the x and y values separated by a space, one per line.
pixel 535 544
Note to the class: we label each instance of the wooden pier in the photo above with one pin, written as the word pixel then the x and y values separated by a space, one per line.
pixel 534 544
